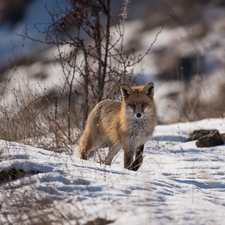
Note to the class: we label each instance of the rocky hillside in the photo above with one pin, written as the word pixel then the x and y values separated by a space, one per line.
pixel 186 60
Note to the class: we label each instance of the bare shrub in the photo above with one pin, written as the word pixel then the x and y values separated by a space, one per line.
pixel 89 49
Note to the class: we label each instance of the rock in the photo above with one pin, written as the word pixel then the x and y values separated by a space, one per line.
pixel 196 134
pixel 99 221
pixel 213 138
pixel 13 174
pixel 223 136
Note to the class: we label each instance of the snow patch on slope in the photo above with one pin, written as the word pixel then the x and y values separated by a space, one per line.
pixel 178 183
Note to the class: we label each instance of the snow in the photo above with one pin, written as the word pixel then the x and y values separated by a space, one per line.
pixel 178 183
pixel 27 80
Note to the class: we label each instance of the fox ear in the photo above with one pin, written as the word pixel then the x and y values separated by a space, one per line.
pixel 125 90
pixel 149 89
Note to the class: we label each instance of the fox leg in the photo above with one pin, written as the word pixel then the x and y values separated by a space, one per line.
pixel 113 150
pixel 138 158
pixel 128 159
pixel 86 147
pixel 82 149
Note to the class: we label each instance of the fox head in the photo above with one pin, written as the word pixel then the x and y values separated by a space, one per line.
pixel 138 100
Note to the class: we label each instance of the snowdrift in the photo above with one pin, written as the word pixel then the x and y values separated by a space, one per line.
pixel 177 183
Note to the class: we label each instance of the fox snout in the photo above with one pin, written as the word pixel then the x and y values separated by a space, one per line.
pixel 138 115
pixel 138 110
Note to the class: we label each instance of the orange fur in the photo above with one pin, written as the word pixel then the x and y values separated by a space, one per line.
pixel 128 124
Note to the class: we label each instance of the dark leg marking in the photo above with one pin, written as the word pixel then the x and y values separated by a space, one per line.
pixel 128 160
pixel 138 158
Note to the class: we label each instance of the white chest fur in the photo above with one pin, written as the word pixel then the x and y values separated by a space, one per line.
pixel 141 132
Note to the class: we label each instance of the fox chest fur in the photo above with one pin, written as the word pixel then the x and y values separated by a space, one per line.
pixel 140 131
pixel 122 129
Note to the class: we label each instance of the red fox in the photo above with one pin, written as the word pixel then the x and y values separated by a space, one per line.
pixel 128 124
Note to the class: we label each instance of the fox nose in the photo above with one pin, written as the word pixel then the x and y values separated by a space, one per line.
pixel 138 115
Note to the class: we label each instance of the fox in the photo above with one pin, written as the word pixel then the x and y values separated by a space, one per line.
pixel 126 124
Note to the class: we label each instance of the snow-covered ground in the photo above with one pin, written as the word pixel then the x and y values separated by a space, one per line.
pixel 178 183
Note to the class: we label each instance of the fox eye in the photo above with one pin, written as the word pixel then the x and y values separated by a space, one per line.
pixel 132 105
pixel 144 104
